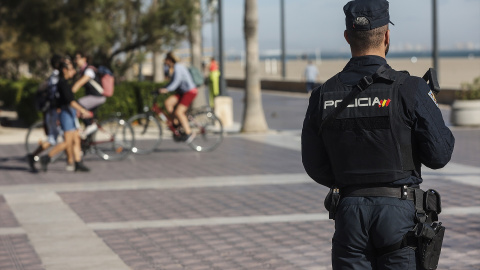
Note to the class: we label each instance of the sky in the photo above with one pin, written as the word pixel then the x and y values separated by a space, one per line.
pixel 317 25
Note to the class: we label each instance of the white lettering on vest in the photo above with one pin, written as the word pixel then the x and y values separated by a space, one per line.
pixel 358 102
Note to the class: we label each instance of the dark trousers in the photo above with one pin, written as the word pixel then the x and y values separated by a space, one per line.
pixel 310 86
pixel 363 225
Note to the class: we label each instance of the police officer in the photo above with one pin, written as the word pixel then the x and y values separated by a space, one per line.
pixel 372 150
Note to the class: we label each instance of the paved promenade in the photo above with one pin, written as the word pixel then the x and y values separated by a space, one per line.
pixel 247 205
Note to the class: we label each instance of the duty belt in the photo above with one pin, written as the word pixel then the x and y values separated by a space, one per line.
pixel 403 192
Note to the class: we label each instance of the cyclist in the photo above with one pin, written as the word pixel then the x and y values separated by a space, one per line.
pixel 50 119
pixel 68 119
pixel 177 105
pixel 93 98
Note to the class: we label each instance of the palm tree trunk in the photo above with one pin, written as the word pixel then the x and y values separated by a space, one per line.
pixel 253 115
pixel 195 38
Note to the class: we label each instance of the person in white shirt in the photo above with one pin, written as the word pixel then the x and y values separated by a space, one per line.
pixel 185 91
pixel 311 76
pixel 92 98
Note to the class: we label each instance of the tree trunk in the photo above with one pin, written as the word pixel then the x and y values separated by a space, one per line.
pixel 195 38
pixel 157 67
pixel 253 115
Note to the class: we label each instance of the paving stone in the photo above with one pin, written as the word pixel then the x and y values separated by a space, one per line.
pixel 16 253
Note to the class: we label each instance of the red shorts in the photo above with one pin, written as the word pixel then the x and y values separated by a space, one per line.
pixel 187 98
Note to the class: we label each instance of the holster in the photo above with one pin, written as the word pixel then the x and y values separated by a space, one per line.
pixel 428 231
pixel 331 202
pixel 430 239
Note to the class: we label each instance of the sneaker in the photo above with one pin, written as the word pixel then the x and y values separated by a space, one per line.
pixel 178 137
pixel 79 167
pixel 89 130
pixel 70 168
pixel 44 160
pixel 189 138
pixel 31 162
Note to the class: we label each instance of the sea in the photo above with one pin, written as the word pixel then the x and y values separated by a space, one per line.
pixel 346 55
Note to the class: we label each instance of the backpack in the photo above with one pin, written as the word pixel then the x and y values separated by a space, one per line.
pixel 106 81
pixel 196 76
pixel 47 96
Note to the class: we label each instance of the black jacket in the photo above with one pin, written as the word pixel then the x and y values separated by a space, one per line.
pixel 433 141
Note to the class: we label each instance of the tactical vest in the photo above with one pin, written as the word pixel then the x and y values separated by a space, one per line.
pixel 368 143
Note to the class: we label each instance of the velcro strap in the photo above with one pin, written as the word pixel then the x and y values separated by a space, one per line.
pixel 405 193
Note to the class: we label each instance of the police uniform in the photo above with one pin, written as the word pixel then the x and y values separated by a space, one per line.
pixel 379 140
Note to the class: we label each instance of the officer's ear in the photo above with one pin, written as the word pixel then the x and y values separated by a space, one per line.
pixel 345 35
pixel 387 38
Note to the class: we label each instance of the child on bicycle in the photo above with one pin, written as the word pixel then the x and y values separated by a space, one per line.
pixel 177 105
pixel 92 99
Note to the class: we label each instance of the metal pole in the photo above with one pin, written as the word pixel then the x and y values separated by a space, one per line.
pixel 282 31
pixel 222 84
pixel 435 36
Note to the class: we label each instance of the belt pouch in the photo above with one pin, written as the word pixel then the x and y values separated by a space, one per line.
pixel 331 202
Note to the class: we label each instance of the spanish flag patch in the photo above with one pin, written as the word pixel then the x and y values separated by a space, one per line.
pixel 432 96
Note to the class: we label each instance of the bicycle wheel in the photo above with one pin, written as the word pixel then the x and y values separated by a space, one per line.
pixel 114 139
pixel 148 133
pixel 36 136
pixel 208 129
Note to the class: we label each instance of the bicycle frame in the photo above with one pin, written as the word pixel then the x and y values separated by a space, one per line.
pixel 207 128
pixel 90 143
pixel 160 112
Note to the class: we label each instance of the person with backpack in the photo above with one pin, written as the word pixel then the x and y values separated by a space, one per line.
pixel 46 100
pixel 95 96
pixel 185 92
pixel 68 120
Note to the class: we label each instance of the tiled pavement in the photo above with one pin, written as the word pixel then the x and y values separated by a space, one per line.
pixel 247 205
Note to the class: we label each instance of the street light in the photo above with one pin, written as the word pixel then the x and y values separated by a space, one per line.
pixel 282 31
pixel 222 84
pixel 434 36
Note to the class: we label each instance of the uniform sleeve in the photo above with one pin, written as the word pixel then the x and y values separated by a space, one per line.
pixel 314 155
pixel 433 139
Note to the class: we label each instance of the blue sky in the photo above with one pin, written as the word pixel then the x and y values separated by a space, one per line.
pixel 319 24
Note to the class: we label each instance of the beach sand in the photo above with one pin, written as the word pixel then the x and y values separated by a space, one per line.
pixel 452 71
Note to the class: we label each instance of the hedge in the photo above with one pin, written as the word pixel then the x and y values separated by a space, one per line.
pixel 129 98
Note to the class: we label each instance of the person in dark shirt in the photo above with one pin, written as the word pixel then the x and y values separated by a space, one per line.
pixel 50 119
pixel 378 142
pixel 69 120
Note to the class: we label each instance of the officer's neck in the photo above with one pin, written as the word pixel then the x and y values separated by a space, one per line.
pixel 377 51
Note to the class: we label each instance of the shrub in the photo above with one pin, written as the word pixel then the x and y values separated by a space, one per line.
pixel 129 99
pixel 470 91
pixel 25 100
pixel 8 94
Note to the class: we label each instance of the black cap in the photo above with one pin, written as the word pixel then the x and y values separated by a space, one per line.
pixel 363 15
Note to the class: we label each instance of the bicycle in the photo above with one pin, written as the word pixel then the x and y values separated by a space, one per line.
pixel 113 140
pixel 148 129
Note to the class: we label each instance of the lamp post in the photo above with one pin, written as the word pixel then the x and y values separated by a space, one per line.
pixel 282 32
pixel 435 36
pixel 222 84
